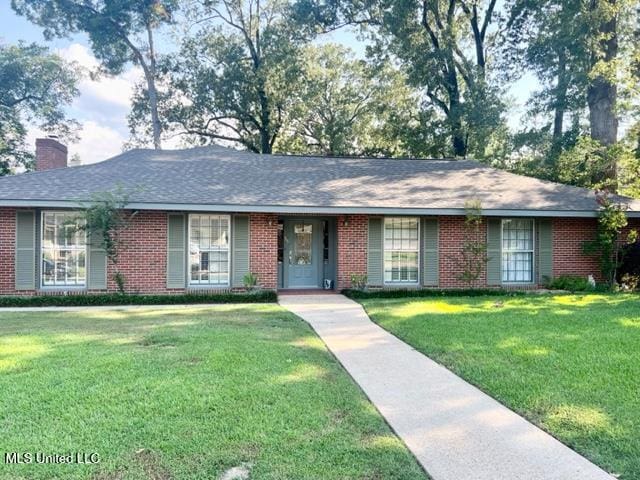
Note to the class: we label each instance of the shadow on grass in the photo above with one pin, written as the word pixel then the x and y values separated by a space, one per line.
pixel 568 363
pixel 201 390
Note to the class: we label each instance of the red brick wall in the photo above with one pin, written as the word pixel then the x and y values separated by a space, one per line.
pixel 143 254
pixel 568 236
pixel 7 249
pixel 263 248
pixel 352 247
pixel 451 237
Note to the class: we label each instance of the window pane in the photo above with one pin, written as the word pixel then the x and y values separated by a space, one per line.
pixel 63 250
pixel 302 242
pixel 209 249
pixel 401 244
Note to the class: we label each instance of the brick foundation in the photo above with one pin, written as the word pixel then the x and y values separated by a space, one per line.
pixel 353 234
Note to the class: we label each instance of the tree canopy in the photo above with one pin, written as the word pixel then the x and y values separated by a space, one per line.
pixel 35 86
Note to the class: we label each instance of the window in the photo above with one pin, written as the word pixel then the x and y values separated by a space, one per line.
pixel 517 250
pixel 302 244
pixel 63 251
pixel 401 250
pixel 209 249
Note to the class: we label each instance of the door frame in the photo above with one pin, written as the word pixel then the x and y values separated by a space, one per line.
pixel 325 268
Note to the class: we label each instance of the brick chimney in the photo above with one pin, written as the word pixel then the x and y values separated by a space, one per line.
pixel 50 154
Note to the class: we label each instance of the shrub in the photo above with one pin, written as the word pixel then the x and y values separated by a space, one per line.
pixel 263 296
pixel 428 292
pixel 250 281
pixel 358 281
pixel 572 283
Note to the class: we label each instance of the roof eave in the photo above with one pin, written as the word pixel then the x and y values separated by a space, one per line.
pixel 305 209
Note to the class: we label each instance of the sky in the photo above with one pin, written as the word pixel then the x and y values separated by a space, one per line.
pixel 103 104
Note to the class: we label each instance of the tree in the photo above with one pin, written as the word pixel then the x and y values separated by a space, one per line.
pixel 35 86
pixel 545 37
pixel 430 38
pixel 581 50
pixel 345 106
pixel 119 32
pixel 233 79
pixel 473 257
pixel 105 220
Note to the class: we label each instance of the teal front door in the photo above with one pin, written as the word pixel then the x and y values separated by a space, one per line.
pixel 302 253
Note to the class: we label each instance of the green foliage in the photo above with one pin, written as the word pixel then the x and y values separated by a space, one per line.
pixel 119 33
pixel 572 283
pixel 429 292
pixel 343 106
pixel 473 256
pixel 81 300
pixel 358 281
pixel 104 221
pixel 606 246
pixel 35 88
pixel 446 49
pixel 590 164
pixel 629 282
pixel 232 80
pixel 250 281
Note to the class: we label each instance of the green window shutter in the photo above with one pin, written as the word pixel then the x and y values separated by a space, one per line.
pixel 176 253
pixel 97 278
pixel 494 251
pixel 545 249
pixel 430 256
pixel 375 253
pixel 25 276
pixel 240 254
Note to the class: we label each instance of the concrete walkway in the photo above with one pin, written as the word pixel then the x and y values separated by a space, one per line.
pixel 455 431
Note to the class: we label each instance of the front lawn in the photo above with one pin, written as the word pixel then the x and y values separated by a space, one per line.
pixel 186 393
pixel 571 364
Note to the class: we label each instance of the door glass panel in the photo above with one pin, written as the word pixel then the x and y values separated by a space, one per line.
pixel 302 240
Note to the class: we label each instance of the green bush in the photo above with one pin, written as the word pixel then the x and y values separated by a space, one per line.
pixel 572 283
pixel 263 296
pixel 428 292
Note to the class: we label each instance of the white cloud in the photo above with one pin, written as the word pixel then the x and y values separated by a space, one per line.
pixel 97 143
pixel 109 89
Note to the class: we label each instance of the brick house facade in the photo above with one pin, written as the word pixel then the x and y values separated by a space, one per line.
pixel 204 218
pixel 143 257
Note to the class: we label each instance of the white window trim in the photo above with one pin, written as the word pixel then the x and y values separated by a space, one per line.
pixel 384 250
pixel 60 287
pixel 202 285
pixel 532 251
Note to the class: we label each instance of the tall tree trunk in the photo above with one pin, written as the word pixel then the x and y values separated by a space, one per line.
pixel 458 138
pixel 602 93
pixel 150 76
pixel 560 107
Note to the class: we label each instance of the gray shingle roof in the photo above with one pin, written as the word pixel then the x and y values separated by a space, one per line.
pixel 218 176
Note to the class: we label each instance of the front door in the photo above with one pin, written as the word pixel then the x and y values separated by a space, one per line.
pixel 302 253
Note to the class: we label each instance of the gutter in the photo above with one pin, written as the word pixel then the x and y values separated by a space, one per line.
pixel 195 207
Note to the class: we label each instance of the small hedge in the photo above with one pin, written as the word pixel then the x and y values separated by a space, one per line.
pixel 401 293
pixel 264 296
pixel 572 283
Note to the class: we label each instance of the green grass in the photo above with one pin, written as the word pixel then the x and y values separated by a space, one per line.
pixel 186 393
pixel 569 363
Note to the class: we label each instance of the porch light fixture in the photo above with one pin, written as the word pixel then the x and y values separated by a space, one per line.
pixel 345 222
